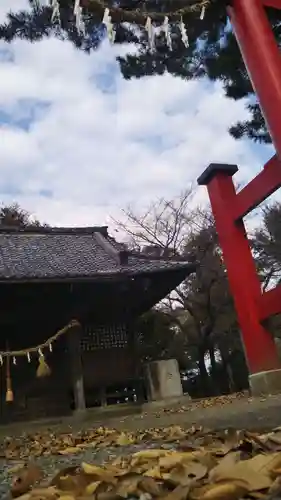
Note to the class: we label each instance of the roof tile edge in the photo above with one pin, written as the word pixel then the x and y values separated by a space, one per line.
pixel 54 230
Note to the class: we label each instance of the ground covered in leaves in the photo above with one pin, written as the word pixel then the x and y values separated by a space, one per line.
pixel 169 464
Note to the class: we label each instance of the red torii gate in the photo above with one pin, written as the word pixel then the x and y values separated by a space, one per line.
pixel 263 61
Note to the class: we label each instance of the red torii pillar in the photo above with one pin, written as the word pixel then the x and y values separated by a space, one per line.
pixel 263 61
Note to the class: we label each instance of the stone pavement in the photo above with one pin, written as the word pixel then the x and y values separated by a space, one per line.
pixel 239 411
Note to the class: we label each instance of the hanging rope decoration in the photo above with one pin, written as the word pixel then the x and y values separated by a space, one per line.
pixel 140 17
pixel 9 391
pixel 184 36
pixel 167 32
pixel 109 26
pixel 56 11
pixel 43 369
pixel 80 25
pixel 150 33
pixel 202 14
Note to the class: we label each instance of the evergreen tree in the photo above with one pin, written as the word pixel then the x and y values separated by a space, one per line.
pixel 212 50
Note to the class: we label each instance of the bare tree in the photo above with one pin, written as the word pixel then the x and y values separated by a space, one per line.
pixel 163 228
pixel 201 307
pixel 15 216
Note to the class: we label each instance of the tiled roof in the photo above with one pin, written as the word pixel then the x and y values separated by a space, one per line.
pixel 61 253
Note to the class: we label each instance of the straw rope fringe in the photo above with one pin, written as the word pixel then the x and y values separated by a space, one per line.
pixel 139 16
pixel 24 352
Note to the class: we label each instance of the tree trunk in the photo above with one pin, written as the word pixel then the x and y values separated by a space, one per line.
pixel 204 376
pixel 215 377
pixel 228 370
pixel 213 359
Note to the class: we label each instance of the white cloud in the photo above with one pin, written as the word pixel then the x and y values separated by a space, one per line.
pixel 72 126
pixel 6 6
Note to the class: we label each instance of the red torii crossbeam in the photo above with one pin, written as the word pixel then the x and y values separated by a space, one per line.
pixel 262 58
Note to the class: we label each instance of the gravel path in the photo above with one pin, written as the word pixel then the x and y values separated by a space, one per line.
pixel 250 413
pixel 51 464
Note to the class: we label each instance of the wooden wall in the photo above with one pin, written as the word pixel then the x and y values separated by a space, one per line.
pixel 36 398
pixel 107 359
pixel 107 354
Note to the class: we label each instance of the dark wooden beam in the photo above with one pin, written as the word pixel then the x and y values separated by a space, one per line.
pixel 276 4
pixel 76 369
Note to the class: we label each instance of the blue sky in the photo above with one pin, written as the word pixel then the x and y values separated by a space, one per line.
pixel 79 143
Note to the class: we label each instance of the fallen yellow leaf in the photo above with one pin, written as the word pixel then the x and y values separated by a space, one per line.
pixel 220 491
pixel 153 453
pixel 98 472
pixel 69 451
pixel 91 488
pixel 124 440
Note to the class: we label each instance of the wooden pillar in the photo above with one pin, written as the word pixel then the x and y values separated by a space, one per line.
pixel 74 345
pixel 103 399
pixel 262 58
pixel 260 348
pixel 133 352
